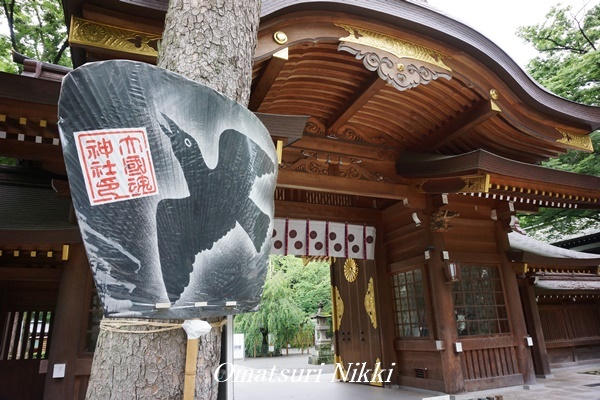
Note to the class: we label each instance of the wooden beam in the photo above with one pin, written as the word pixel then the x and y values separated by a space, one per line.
pixel 410 263
pixel 369 88
pixel 30 150
pixel 334 184
pixel 267 79
pixel 30 274
pixel 28 89
pixel 358 150
pixel 352 215
pixel 477 114
pixel 41 237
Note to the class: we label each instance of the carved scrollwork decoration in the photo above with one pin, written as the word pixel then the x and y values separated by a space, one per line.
pixel 311 163
pixel 402 77
pixel 353 134
pixel 440 220
pixel 314 127
pixel 401 63
pixel 307 166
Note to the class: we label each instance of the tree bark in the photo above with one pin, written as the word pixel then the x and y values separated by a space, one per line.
pixel 211 42
pixel 138 365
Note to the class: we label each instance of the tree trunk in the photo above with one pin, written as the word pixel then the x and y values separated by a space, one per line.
pixel 138 366
pixel 211 42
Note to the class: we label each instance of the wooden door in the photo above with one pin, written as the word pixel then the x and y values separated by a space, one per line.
pixel 355 321
pixel 24 339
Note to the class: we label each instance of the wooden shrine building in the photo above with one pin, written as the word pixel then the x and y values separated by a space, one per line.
pixel 414 124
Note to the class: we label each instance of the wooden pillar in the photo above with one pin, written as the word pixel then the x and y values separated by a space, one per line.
pixel 513 301
pixel 443 309
pixel 384 303
pixel 68 324
pixel 534 327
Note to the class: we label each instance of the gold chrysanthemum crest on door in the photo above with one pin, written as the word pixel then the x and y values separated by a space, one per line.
pixel 350 270
pixel 338 308
pixel 370 303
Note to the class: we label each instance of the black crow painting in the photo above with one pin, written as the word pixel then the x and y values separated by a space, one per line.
pixel 173 188
pixel 218 199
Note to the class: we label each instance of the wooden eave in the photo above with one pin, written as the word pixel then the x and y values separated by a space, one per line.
pixel 551 262
pixel 532 257
pixel 589 243
pixel 359 124
pixel 573 283
pixel 28 120
pixel 522 182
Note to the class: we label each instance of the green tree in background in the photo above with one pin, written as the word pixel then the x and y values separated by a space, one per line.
pixel 278 316
pixel 311 285
pixel 292 294
pixel 36 29
pixel 569 60
pixel 569 66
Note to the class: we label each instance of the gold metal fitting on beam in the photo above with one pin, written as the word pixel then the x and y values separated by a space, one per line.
pixel 280 37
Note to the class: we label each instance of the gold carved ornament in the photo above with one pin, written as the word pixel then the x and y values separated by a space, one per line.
pixel 476 184
pixel 471 184
pixel 350 270
pixel 93 34
pixel 581 142
pixel 370 303
pixel 389 44
pixel 376 380
pixel 338 308
pixel 401 63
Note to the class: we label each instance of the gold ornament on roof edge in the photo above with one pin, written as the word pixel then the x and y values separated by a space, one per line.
pixel 350 270
pixel 581 142
pixel 103 36
pixel 399 48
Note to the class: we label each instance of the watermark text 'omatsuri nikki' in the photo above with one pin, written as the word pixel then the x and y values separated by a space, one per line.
pixel 356 372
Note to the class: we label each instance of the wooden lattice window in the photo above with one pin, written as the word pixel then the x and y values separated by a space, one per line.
pixel 25 335
pixel 479 304
pixel 409 304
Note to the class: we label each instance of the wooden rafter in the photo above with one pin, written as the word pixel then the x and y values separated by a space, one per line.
pixel 480 112
pixel 369 88
pixel 267 79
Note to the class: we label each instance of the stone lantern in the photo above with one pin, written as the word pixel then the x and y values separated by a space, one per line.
pixel 323 352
